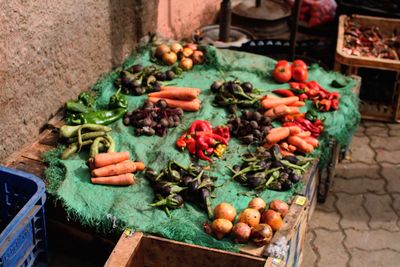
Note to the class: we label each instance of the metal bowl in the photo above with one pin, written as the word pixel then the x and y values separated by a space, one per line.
pixel 210 35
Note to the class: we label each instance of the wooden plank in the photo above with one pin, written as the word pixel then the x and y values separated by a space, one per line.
pixel 290 222
pixel 35 151
pixel 28 165
pixel 161 252
pixel 49 137
pixel 57 120
pixel 125 253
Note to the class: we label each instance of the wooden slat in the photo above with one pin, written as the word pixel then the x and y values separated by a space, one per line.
pixel 161 252
pixel 57 120
pixel 290 223
pixel 35 151
pixel 28 165
pixel 126 252
pixel 49 137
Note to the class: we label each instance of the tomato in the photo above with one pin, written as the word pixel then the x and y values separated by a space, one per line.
pixel 299 63
pixel 300 74
pixel 282 74
pixel 281 63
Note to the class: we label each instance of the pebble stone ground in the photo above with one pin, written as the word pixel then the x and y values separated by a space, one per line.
pixel 359 224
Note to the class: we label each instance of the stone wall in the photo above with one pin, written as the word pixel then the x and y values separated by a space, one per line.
pixel 52 50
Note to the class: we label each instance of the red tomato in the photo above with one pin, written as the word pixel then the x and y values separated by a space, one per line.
pixel 281 63
pixel 300 74
pixel 282 74
pixel 299 63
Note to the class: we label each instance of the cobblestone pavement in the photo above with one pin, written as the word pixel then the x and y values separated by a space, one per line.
pixel 359 223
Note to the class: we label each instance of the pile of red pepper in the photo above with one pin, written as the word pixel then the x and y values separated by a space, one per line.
pixel 315 126
pixel 204 141
pixel 323 99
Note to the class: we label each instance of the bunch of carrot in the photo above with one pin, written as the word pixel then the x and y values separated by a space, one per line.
pixel 291 139
pixel 178 97
pixel 279 107
pixel 114 168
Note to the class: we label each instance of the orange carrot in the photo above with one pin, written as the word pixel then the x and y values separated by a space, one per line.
pixel 171 88
pixel 286 153
pixel 277 135
pixel 312 141
pixel 291 148
pixel 271 102
pixel 183 94
pixel 139 166
pixel 304 134
pixel 105 159
pixel 298 104
pixel 281 110
pixel 122 179
pixel 193 105
pixel 294 130
pixel 300 144
pixel 126 166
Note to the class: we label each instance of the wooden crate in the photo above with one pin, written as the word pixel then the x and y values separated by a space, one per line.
pixel 350 65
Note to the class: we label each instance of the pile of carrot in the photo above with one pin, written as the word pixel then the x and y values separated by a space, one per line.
pixel 178 97
pixel 114 168
pixel 279 107
pixel 291 139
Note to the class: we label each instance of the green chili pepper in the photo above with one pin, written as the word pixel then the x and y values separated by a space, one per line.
pixel 87 99
pixel 76 107
pixel 103 117
pixel 118 100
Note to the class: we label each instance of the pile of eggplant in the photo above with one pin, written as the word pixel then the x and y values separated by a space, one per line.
pixel 139 80
pixel 176 183
pixel 267 169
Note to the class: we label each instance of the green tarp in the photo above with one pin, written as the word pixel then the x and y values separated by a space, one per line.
pixel 105 207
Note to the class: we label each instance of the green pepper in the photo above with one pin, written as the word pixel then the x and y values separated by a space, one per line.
pixel 87 99
pixel 103 117
pixel 76 107
pixel 118 100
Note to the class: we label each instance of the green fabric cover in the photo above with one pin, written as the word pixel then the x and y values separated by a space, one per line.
pixel 93 205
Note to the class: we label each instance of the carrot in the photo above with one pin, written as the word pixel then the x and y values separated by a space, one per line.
pixel 304 134
pixel 291 148
pixel 294 130
pixel 139 166
pixel 126 166
pixel 298 104
pixel 172 88
pixel 277 135
pixel 312 141
pixel 281 110
pixel 193 105
pixel 300 144
pixel 122 179
pixel 104 159
pixel 286 153
pixel 183 94
pixel 271 102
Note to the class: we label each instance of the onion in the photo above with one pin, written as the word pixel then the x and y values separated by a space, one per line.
pixel 225 211
pixel 162 49
pixel 280 206
pixel 187 52
pixel 186 64
pixel 258 204
pixel 198 57
pixel 169 58
pixel 221 227
pixel 176 48
pixel 242 232
pixel 261 234
pixel 191 46
pixel 249 216
pixel 272 218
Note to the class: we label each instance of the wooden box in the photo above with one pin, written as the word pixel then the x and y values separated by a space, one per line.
pixel 351 64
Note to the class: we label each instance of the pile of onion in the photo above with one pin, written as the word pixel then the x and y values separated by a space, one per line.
pixel 188 55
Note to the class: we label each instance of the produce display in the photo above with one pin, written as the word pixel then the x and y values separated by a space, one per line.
pixel 204 141
pixel 177 183
pixel 188 55
pixel 273 132
pixel 361 40
pixel 153 119
pixel 285 72
pixel 255 223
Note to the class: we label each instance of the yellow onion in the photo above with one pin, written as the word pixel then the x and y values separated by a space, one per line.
pixel 176 48
pixel 280 206
pixel 198 57
pixel 162 49
pixel 242 232
pixel 221 227
pixel 169 58
pixel 273 219
pixel 249 216
pixel 191 46
pixel 186 64
pixel 261 234
pixel 187 52
pixel 225 211
pixel 258 204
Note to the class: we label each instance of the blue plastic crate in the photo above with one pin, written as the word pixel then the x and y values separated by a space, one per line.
pixel 22 221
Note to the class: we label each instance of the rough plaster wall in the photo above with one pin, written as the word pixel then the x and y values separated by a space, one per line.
pixel 179 18
pixel 52 50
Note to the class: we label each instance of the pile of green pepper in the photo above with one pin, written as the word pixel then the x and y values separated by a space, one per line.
pixel 82 111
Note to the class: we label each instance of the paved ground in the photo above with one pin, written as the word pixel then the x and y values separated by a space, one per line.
pixel 359 224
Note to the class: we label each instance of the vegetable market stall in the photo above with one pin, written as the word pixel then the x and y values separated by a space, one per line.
pixel 68 180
